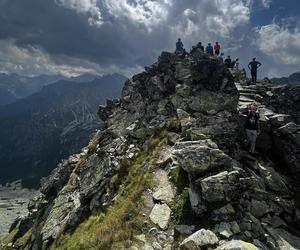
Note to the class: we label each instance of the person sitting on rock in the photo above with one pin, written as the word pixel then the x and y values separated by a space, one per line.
pixel 228 61
pixel 179 47
pixel 253 66
pixel 217 48
pixel 200 46
pixel 251 126
pixel 209 49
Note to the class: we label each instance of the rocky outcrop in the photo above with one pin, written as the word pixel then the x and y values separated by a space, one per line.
pixel 178 124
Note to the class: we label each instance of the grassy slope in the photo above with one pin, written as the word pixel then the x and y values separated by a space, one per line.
pixel 123 219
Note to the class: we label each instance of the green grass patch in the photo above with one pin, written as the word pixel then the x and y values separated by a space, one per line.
pixel 123 219
pixel 21 242
pixel 10 237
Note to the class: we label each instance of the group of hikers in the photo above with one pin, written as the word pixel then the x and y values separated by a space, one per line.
pixel 252 115
pixel 216 50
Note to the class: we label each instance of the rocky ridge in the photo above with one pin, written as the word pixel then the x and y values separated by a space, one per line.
pixel 169 167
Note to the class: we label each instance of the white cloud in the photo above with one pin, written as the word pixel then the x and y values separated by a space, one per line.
pixel 280 43
pixel 34 61
pixel 84 6
pixel 212 20
pixel 266 3
pixel 147 13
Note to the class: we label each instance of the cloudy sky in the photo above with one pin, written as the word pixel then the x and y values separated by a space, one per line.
pixel 105 36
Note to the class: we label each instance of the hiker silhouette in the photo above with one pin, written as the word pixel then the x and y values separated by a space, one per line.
pixel 253 66
pixel 179 46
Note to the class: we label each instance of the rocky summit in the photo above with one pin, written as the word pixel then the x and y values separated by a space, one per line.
pixel 168 169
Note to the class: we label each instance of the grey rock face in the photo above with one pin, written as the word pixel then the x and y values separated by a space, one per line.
pixel 199 157
pixel 160 215
pixel 202 238
pixel 228 193
pixel 237 245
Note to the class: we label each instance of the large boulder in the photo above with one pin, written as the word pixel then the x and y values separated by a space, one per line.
pixel 220 187
pixel 201 238
pixel 237 245
pixel 199 157
pixel 286 147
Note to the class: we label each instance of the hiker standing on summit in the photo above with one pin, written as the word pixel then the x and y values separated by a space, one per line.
pixel 253 66
pixel 209 49
pixel 179 47
pixel 217 48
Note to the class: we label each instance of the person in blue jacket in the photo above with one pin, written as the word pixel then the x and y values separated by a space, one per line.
pixel 209 49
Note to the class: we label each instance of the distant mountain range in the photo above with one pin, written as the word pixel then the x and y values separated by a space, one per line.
pixel 38 131
pixel 292 79
pixel 14 87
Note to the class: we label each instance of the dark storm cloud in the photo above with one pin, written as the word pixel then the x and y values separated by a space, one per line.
pixel 73 36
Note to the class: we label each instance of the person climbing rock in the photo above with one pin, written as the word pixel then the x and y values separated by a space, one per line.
pixel 209 49
pixel 217 48
pixel 251 126
pixel 228 61
pixel 253 66
pixel 200 46
pixel 179 47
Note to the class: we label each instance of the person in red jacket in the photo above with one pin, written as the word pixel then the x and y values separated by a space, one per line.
pixel 217 48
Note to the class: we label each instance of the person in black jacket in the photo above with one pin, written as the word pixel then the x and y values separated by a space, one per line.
pixel 228 62
pixel 252 126
pixel 253 66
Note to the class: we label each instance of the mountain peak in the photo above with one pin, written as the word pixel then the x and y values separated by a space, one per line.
pixel 168 170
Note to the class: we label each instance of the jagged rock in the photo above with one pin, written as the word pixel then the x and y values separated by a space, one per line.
pixel 227 229
pixel 259 208
pixel 220 187
pixel 198 157
pixel 164 194
pixel 173 138
pixel 272 179
pixel 283 239
pixel 260 245
pixel 156 246
pixel 160 215
pixel 280 120
pixel 61 212
pixel 201 238
pixel 237 245
pixel 189 246
pixel 196 201
pixel 185 229
pixel 223 213
pixel 223 229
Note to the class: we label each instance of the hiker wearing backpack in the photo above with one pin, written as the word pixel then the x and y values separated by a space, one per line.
pixel 217 48
pixel 253 66
pixel 251 126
